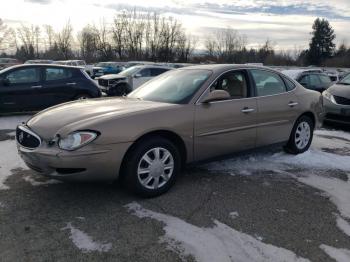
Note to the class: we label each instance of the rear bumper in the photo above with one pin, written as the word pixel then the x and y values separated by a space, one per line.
pixel 98 163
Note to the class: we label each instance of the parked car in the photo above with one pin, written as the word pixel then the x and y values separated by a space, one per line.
pixel 337 102
pixel 129 79
pixel 39 61
pixel 79 63
pixel 7 62
pixel 34 87
pixel 312 79
pixel 185 115
pixel 107 68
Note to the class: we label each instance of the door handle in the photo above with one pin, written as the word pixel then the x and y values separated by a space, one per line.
pixel 293 104
pixel 247 110
pixel 36 87
pixel 71 84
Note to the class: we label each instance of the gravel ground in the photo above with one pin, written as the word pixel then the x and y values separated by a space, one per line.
pixel 249 208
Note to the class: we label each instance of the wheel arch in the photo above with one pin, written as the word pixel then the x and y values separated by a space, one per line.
pixel 170 135
pixel 310 115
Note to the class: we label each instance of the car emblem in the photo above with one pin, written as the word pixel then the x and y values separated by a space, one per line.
pixel 20 137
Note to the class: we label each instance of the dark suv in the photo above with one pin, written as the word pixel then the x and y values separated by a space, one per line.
pixel 312 79
pixel 35 87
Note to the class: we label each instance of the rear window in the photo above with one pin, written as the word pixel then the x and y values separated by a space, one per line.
pixel 54 74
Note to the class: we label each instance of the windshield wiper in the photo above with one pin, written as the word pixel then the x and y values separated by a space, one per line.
pixel 346 84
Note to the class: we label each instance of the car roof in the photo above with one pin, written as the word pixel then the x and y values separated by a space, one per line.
pixel 153 66
pixel 220 68
pixel 43 65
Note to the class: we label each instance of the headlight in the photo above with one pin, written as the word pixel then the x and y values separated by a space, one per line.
pixel 76 140
pixel 329 96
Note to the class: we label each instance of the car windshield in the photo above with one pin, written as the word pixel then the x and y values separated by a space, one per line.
pixel 176 86
pixel 130 71
pixel 345 80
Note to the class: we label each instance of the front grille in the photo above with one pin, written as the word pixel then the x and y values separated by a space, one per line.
pixel 335 117
pixel 103 82
pixel 27 138
pixel 342 100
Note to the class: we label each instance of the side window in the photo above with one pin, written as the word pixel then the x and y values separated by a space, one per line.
pixel 267 83
pixel 52 74
pixel 22 76
pixel 325 79
pixel 157 71
pixel 304 81
pixel 145 72
pixel 234 82
pixel 314 81
pixel 289 84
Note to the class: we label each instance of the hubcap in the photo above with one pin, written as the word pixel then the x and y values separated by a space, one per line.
pixel 155 168
pixel 302 135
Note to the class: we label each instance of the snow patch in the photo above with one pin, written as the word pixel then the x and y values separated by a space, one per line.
pixel 219 243
pixel 337 189
pixel 84 242
pixel 9 160
pixel 338 254
pixel 343 225
pixel 11 122
pixel 33 182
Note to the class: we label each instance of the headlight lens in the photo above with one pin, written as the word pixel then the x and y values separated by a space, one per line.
pixel 329 96
pixel 77 139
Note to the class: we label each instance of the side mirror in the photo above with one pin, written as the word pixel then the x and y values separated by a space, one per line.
pixel 216 95
pixel 137 75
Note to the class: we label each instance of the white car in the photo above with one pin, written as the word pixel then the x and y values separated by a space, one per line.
pixel 129 79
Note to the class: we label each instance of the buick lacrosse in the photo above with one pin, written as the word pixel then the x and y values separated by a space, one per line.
pixel 185 115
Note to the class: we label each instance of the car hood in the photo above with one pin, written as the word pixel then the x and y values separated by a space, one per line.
pixel 340 90
pixel 85 114
pixel 112 76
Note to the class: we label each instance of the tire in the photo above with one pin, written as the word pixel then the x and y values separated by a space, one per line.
pixel 82 97
pixel 120 90
pixel 301 137
pixel 140 175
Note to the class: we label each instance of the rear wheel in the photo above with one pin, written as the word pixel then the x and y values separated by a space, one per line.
pixel 151 168
pixel 82 97
pixel 301 136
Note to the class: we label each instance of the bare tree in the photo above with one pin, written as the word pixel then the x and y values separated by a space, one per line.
pixel 65 41
pixel 29 40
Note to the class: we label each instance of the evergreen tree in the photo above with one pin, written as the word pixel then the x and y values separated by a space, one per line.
pixel 321 45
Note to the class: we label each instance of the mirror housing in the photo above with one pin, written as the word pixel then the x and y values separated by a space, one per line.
pixel 216 95
pixel 137 75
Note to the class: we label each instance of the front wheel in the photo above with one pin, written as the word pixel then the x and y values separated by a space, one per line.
pixel 151 167
pixel 301 137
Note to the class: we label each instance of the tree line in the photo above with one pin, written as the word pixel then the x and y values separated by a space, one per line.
pixel 149 36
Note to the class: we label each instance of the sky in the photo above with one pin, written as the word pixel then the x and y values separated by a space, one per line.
pixel 287 24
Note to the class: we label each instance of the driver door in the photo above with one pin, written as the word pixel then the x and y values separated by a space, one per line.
pixel 20 89
pixel 223 127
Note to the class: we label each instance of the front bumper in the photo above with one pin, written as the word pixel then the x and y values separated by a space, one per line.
pixel 336 113
pixel 93 163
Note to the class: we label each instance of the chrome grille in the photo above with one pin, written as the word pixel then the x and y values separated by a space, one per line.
pixel 27 138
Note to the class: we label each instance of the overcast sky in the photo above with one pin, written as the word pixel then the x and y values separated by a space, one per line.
pixel 286 23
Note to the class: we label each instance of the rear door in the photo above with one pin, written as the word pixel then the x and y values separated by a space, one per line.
pixel 277 106
pixel 223 127
pixel 20 89
pixel 59 85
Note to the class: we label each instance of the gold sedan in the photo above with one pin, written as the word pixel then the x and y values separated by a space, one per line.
pixel 182 116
